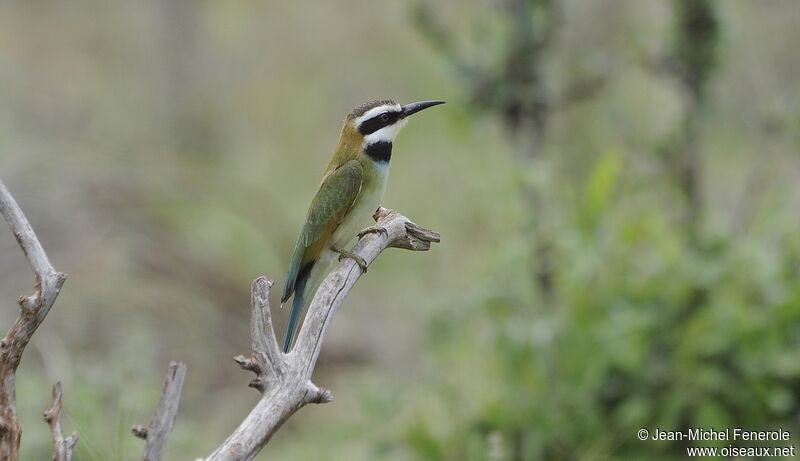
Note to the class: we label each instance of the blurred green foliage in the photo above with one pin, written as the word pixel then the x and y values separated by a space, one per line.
pixel 166 152
pixel 655 325
pixel 620 351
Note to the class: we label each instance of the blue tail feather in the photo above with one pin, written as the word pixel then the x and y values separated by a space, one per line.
pixel 297 307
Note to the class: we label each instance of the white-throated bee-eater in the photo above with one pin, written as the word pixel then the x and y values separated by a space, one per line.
pixel 350 192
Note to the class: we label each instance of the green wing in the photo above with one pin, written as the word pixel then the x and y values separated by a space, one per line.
pixel 335 197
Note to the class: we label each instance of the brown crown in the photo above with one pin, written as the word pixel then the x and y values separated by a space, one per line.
pixel 359 111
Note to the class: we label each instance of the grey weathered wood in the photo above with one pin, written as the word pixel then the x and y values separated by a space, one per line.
pixel 284 380
pixel 62 447
pixel 157 433
pixel 33 310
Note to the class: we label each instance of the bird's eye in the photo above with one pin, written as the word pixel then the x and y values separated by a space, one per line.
pixel 385 117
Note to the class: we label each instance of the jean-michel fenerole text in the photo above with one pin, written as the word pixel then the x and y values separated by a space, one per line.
pixel 734 434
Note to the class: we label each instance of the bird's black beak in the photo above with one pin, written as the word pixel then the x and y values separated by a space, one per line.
pixel 415 107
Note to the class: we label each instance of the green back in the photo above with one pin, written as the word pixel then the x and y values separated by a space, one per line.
pixel 334 198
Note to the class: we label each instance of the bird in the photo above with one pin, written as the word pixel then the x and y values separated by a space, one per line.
pixel 351 189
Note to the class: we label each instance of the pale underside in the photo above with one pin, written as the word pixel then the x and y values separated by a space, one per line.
pixel 359 217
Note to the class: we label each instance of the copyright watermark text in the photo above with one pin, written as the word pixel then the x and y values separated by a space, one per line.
pixel 743 442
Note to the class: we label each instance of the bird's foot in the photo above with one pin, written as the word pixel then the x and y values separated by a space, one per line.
pixel 374 230
pixel 350 255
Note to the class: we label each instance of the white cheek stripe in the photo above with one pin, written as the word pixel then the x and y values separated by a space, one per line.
pixel 385 134
pixel 377 110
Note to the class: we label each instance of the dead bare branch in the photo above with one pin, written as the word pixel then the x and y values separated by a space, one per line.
pixel 157 433
pixel 33 310
pixel 62 447
pixel 284 380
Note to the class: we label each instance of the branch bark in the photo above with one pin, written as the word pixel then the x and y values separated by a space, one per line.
pixel 33 310
pixel 62 447
pixel 157 433
pixel 284 380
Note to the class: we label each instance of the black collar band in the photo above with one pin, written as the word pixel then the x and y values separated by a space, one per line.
pixel 380 151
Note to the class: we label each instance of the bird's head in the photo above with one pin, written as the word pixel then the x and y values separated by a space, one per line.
pixel 379 121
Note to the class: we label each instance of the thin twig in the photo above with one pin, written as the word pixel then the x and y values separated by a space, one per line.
pixel 160 427
pixel 62 447
pixel 264 346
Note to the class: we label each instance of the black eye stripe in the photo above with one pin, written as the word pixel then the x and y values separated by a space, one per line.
pixel 375 123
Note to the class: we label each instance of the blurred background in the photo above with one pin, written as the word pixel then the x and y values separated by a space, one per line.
pixel 617 185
